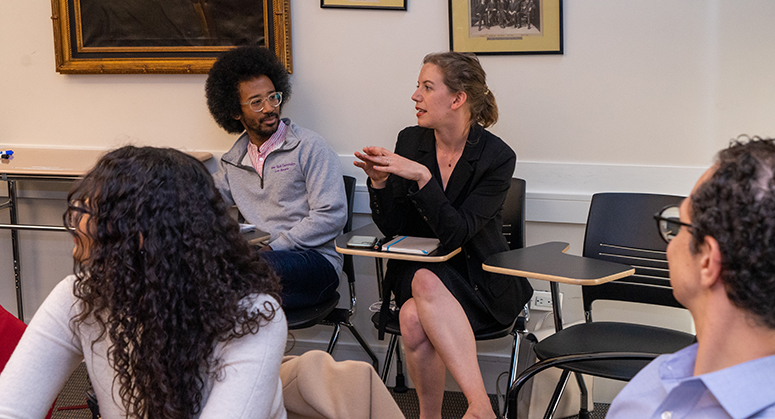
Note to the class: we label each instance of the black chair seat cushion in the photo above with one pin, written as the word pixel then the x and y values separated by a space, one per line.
pixel 392 324
pixel 493 332
pixel 595 337
pixel 300 318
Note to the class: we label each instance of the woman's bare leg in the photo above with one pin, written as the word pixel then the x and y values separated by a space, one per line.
pixel 423 363
pixel 436 331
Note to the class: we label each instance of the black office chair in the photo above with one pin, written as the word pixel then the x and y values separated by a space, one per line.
pixel 326 312
pixel 513 214
pixel 620 228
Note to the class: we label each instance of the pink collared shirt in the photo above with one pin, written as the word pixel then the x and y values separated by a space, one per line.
pixel 258 155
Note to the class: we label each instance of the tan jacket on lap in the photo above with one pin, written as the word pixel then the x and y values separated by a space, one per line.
pixel 317 387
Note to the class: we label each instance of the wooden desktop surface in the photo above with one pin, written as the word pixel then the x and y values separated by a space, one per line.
pixel 59 162
pixel 256 236
pixel 438 255
pixel 549 262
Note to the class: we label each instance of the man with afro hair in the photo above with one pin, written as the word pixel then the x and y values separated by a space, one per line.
pixel 284 179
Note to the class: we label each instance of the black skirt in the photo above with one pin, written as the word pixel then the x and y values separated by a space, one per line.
pixel 398 280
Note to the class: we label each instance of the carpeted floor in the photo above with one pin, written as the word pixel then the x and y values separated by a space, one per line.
pixel 455 405
pixel 71 403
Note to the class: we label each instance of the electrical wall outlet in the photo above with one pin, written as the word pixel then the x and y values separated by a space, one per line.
pixel 542 301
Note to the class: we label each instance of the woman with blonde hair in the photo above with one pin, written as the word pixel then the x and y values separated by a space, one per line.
pixel 447 179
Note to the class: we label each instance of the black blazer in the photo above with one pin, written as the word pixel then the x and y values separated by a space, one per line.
pixel 467 214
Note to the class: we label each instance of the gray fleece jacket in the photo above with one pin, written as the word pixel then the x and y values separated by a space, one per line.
pixel 300 201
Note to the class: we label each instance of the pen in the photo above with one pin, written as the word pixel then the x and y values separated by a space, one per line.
pixel 378 245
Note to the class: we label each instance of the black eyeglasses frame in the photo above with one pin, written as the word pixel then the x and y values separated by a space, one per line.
pixel 670 220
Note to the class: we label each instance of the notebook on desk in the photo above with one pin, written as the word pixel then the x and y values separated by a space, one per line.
pixel 411 245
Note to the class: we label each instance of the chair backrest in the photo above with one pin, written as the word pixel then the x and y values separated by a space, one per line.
pixel 621 228
pixel 513 214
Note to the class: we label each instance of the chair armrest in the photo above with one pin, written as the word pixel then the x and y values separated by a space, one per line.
pixel 511 401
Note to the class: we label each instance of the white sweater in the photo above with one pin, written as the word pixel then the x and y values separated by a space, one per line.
pixel 50 351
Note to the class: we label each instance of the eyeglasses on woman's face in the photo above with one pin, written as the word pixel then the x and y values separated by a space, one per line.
pixel 76 210
pixel 78 219
pixel 669 222
pixel 257 103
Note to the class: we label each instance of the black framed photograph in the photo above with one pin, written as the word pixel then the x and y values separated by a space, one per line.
pixel 506 26
pixel 364 4
pixel 168 36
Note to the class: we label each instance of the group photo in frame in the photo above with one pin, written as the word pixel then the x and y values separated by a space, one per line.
pixel 506 26
pixel 164 36
pixel 364 4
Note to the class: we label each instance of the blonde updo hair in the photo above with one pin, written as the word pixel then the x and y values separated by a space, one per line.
pixel 462 72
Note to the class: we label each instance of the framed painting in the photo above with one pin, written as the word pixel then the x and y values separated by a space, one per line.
pixel 164 36
pixel 506 26
pixel 365 4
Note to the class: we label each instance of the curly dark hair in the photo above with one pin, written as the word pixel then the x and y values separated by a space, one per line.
pixel 162 269
pixel 736 206
pixel 232 68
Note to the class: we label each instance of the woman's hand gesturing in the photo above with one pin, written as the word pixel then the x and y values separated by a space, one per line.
pixel 379 163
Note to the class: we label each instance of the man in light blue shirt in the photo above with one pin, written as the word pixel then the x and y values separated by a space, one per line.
pixel 722 269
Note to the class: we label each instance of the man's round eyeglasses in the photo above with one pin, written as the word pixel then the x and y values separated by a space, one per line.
pixel 669 223
pixel 257 103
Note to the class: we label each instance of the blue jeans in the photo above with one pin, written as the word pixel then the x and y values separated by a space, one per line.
pixel 306 276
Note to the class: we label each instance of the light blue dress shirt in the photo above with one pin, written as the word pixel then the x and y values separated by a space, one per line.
pixel 667 389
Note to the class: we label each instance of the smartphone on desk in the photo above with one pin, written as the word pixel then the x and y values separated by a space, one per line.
pixel 362 242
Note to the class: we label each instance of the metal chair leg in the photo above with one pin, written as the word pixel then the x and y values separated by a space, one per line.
pixel 394 347
pixel 557 394
pixel 514 363
pixel 364 345
pixel 388 357
pixel 584 406
pixel 400 386
pixel 334 338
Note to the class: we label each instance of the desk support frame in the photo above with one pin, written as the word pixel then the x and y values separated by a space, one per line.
pixel 14 219
pixel 12 204
pixel 554 288
pixel 45 164
pixel 532 262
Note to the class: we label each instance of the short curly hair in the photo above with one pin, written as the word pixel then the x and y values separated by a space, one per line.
pixel 736 206
pixel 232 68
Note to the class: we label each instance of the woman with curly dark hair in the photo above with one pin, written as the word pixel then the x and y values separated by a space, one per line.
pixel 168 307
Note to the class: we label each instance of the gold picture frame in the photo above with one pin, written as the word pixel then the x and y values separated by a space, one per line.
pixel 177 37
pixel 364 4
pixel 506 26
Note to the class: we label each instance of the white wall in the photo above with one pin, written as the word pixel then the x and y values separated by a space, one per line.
pixel 654 83
pixel 643 97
